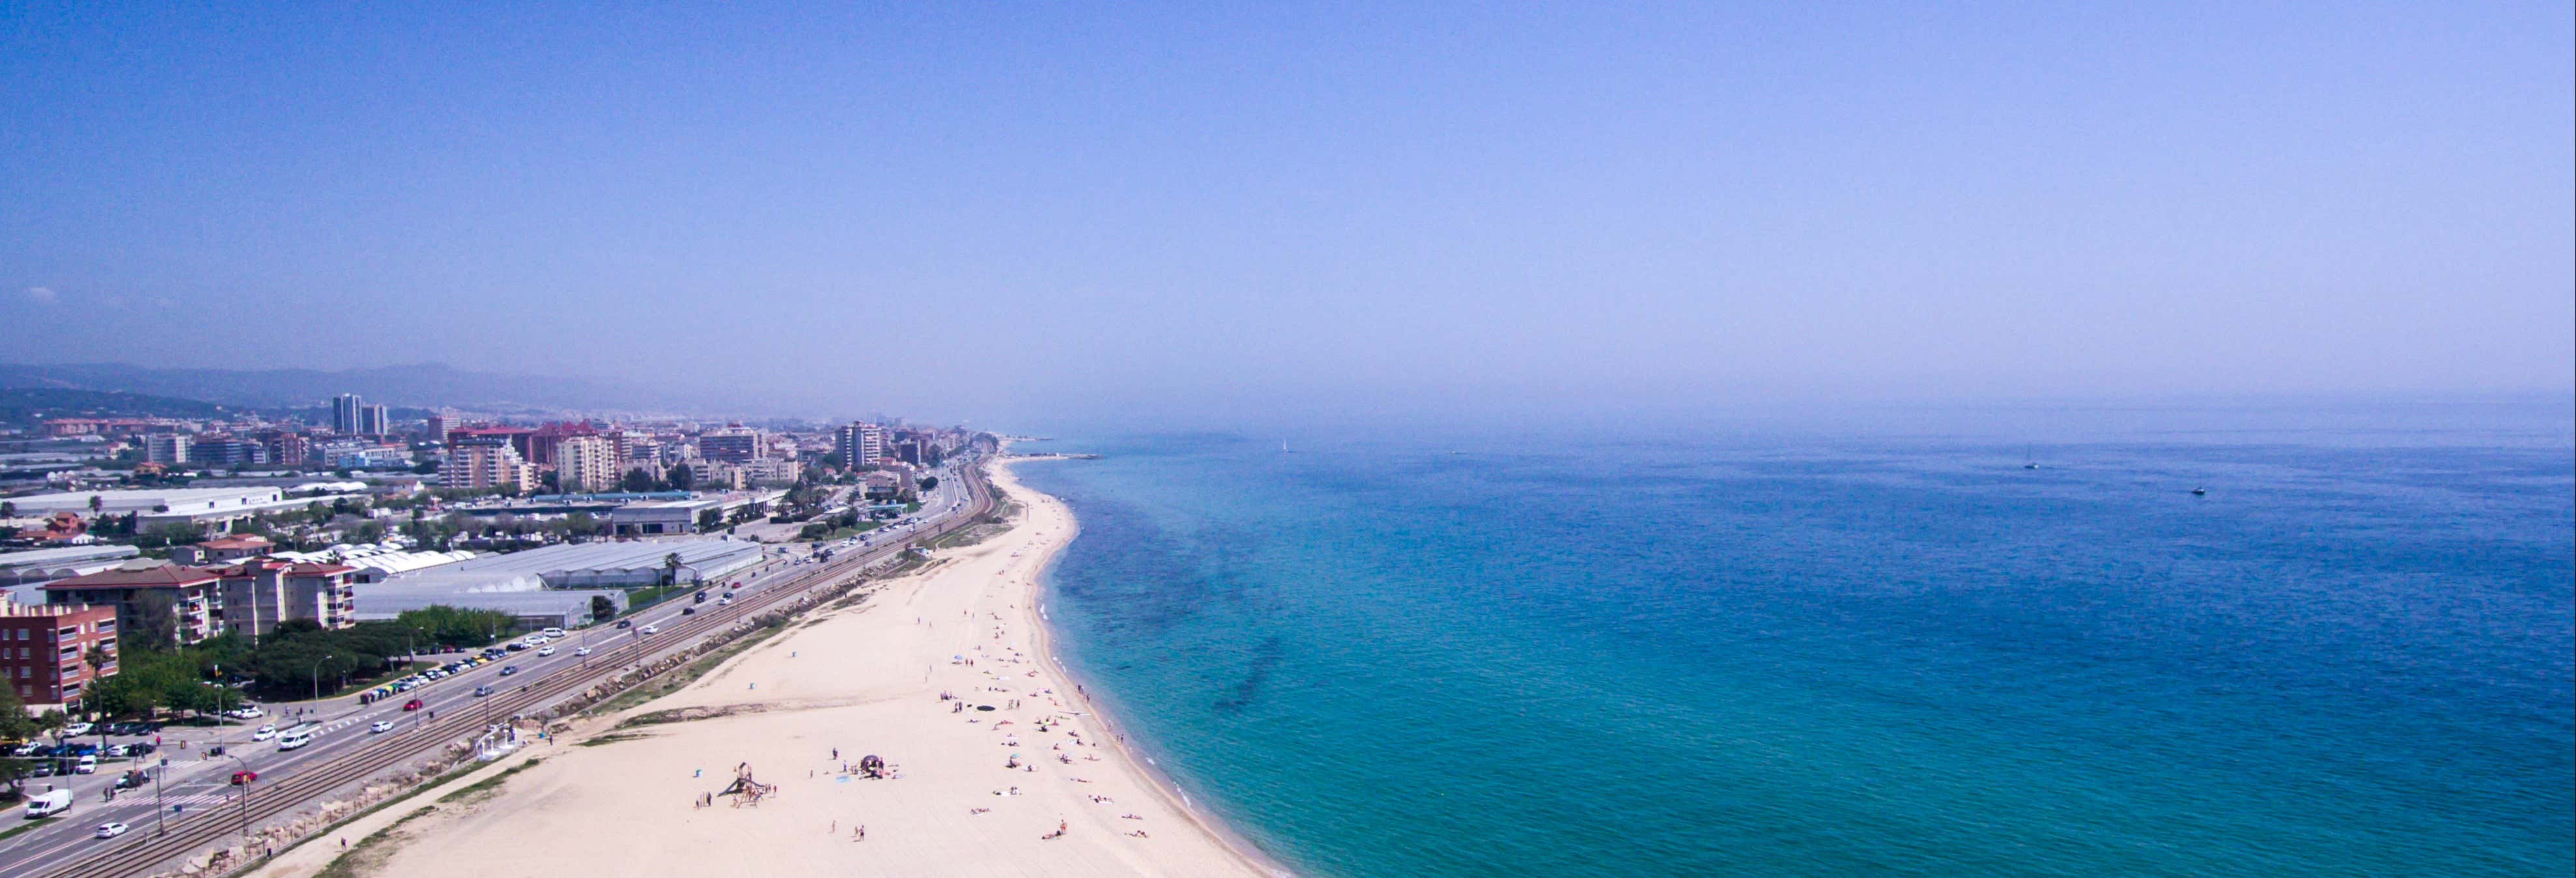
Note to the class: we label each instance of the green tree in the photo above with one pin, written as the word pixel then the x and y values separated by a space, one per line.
pixel 8 510
pixel 95 503
pixel 601 607
pixel 150 621
pixel 671 569
pixel 680 478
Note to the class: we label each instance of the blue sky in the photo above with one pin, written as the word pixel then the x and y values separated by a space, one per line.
pixel 1010 212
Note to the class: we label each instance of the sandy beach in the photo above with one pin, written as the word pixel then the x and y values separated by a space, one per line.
pixel 1011 777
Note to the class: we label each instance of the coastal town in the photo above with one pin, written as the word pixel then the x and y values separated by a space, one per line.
pixel 180 593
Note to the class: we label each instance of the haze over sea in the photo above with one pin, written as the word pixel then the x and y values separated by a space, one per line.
pixel 1826 652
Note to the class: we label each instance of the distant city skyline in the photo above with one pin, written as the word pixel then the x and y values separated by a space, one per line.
pixel 1186 215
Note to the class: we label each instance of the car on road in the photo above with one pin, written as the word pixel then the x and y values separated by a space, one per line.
pixel 582 651
pixel 625 623
pixel 724 601
pixel 243 777
pixel 551 631
pixel 381 727
pixel 295 739
pixel 507 670
pixel 264 733
pixel 685 611
pixel 546 650
pixel 250 711
pixel 483 690
pixel 111 830
pixel 88 764
pixel 412 705
pixel 651 629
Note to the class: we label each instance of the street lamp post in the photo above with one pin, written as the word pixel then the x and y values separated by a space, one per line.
pixel 245 801
pixel 158 807
pixel 317 674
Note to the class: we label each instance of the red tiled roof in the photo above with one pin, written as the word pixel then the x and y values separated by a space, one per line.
pixel 239 541
pixel 165 575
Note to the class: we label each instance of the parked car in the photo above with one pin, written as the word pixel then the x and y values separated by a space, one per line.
pixel 76 730
pixel 247 711
pixel 515 646
pixel 88 764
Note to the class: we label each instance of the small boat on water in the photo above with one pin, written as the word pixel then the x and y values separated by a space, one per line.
pixel 2200 492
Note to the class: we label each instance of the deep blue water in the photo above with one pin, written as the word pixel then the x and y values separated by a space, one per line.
pixel 1623 656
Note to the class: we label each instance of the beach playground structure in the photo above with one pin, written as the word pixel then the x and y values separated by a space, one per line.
pixel 745 790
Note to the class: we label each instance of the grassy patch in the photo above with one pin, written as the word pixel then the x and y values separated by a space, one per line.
pixel 639 598
pixel 610 738
pixel 487 787
pixel 842 533
pixel 31 824
pixel 678 678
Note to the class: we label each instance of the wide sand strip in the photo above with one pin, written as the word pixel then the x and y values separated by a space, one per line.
pixel 863 681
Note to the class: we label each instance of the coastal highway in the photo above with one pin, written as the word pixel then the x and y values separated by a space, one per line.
pixel 212 811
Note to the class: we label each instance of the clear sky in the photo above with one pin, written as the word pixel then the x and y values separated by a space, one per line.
pixel 1021 211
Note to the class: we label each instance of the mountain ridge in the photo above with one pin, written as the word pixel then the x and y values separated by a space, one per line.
pixel 427 385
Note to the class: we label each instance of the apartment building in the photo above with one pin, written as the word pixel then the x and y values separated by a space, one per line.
pixel 860 445
pixel 486 464
pixel 733 443
pixel 192 596
pixel 169 448
pixel 45 651
pixel 262 592
pixel 584 464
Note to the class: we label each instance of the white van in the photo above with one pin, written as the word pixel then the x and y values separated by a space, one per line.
pixel 88 764
pixel 552 631
pixel 295 738
pixel 48 804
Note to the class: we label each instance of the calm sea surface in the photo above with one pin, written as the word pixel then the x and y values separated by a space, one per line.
pixel 1675 655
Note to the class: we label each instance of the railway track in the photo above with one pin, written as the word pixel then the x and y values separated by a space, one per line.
pixel 213 825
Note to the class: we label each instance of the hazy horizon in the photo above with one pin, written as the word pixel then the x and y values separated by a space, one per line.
pixel 1039 216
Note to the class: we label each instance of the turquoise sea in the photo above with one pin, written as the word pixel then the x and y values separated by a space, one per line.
pixel 1595 652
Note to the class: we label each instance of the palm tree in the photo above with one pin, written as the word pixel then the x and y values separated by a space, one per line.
pixel 95 503
pixel 671 569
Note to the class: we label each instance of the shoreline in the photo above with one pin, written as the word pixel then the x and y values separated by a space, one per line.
pixel 1043 637
pixel 928 669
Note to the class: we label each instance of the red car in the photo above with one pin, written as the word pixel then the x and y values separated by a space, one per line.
pixel 243 777
pixel 412 705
